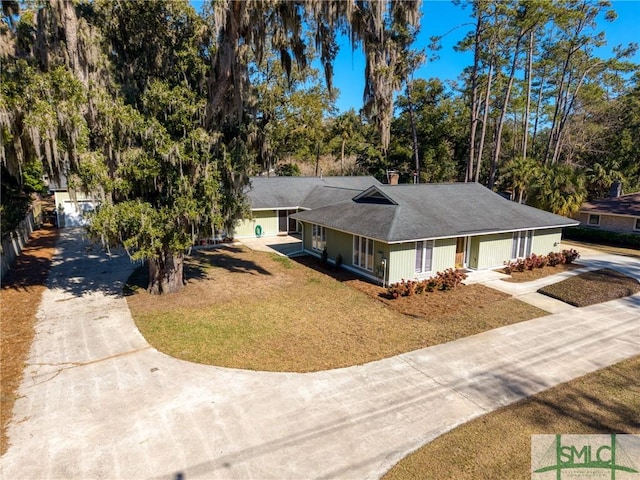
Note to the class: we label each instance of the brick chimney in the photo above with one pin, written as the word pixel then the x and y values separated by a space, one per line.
pixel 393 178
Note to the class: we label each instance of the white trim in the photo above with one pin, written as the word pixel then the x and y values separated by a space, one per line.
pixel 423 246
pixel 595 216
pixel 370 190
pixel 609 214
pixel 469 235
pixel 321 238
pixel 366 253
pixel 463 234
pixel 523 243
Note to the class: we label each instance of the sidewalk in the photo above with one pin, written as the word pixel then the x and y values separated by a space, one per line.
pixel 98 402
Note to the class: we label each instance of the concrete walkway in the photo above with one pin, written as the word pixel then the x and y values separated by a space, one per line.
pixel 98 402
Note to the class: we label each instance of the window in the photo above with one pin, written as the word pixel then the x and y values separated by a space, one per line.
pixel 521 246
pixel 318 238
pixel 424 256
pixel 637 226
pixel 594 219
pixel 363 252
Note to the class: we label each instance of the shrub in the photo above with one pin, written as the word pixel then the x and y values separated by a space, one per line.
pixel 446 280
pixel 450 278
pixel 555 258
pixel 338 262
pixel 595 235
pixel 570 255
pixel 540 261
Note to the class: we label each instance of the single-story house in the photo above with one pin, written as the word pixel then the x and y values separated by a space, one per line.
pixel 391 232
pixel 273 201
pixel 616 214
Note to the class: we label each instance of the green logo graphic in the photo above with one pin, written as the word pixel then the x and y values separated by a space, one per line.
pixel 585 456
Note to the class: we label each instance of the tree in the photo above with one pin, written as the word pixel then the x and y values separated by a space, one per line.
pixel 438 131
pixel 346 130
pixel 519 175
pixel 151 105
pixel 558 189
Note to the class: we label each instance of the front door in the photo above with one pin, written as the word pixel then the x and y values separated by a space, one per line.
pixel 460 248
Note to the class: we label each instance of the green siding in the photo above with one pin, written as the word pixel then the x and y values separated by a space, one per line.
pixel 545 241
pixel 339 243
pixel 307 230
pixel 267 219
pixel 444 254
pixel 402 257
pixel 493 250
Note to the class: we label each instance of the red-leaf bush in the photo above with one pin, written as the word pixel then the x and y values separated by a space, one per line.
pixel 446 280
pixel 540 261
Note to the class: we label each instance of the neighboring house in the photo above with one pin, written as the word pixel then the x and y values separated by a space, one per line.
pixel 616 214
pixel 393 232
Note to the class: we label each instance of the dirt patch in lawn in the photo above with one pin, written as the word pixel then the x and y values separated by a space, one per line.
pixel 261 311
pixel 536 273
pixel 21 292
pixel 498 445
pixel 593 287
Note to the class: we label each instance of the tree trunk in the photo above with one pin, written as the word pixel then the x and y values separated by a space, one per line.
pixel 485 119
pixel 529 75
pixel 166 273
pixel 503 113
pixel 473 124
pixel 414 134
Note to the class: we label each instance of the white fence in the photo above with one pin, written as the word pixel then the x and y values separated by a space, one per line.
pixel 13 244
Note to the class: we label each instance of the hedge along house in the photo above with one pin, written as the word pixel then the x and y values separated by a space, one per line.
pixel 273 201
pixel 392 232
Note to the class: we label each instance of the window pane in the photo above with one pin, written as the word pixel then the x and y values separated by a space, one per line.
pixel 529 243
pixel 428 254
pixel 418 257
pixel 514 245
pixel 369 265
pixel 356 250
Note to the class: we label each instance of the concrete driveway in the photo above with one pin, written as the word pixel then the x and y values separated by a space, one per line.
pixel 98 402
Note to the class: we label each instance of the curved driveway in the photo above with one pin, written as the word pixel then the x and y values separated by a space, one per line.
pixel 99 402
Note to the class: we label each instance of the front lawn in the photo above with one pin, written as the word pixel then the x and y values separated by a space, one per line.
pixel 260 311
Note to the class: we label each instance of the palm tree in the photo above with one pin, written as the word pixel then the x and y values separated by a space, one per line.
pixel 559 189
pixel 519 174
pixel 600 177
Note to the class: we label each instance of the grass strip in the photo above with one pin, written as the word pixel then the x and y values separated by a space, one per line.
pixel 498 445
pixel 592 287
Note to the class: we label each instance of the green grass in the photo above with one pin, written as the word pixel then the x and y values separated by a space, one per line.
pixel 253 310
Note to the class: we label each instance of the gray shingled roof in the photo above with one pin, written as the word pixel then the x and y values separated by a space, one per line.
pixel 396 213
pixel 305 192
pixel 623 205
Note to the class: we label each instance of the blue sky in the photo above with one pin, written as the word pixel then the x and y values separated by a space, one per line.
pixel 441 16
